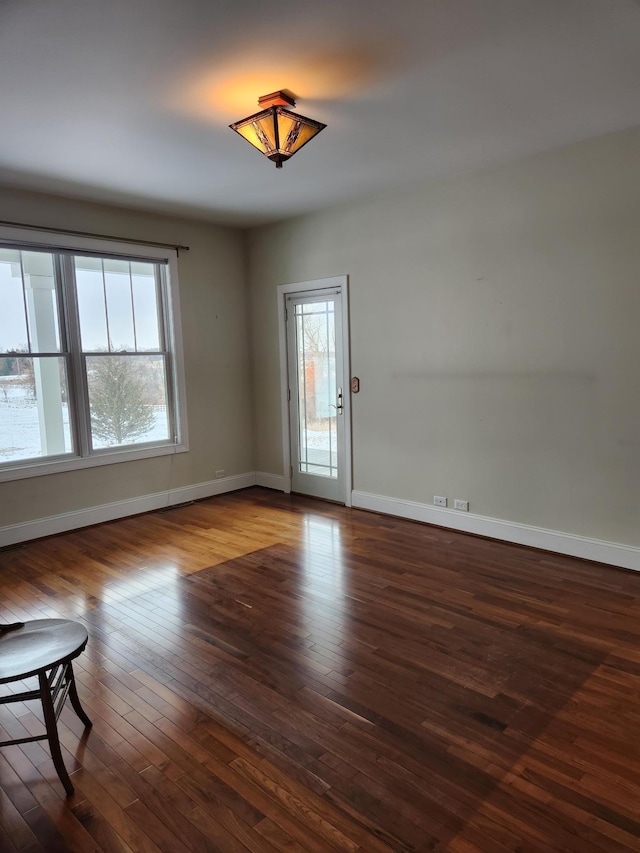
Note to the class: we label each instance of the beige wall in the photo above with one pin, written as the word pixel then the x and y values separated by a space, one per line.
pixel 214 316
pixel 494 327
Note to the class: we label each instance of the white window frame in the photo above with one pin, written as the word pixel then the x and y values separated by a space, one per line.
pixel 51 241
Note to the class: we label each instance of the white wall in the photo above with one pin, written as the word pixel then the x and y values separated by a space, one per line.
pixel 494 328
pixel 214 316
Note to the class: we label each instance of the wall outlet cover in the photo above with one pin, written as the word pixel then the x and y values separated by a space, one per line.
pixel 463 505
pixel 438 500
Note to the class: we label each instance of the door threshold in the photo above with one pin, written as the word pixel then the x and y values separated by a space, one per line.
pixel 316 498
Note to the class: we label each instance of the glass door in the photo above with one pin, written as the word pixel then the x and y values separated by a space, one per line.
pixel 316 397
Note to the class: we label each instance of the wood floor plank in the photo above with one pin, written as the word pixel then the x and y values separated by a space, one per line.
pixel 272 673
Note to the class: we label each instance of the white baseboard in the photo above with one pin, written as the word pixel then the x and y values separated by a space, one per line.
pixel 24 531
pixel 612 553
pixel 210 488
pixel 270 481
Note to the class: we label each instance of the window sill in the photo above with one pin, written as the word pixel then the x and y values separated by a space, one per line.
pixel 75 463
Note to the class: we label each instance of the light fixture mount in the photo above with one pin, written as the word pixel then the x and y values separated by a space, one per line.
pixel 276 131
pixel 276 99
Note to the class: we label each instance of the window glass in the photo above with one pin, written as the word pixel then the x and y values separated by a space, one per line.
pixel 110 339
pixel 145 302
pixel 34 410
pixel 41 300
pixel 29 315
pixel 91 304
pixel 127 399
pixel 117 285
pixel 13 319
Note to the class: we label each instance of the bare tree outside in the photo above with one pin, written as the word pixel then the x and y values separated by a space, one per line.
pixel 316 349
pixel 26 374
pixel 120 408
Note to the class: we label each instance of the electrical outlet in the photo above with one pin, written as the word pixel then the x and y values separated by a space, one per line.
pixel 438 500
pixel 463 505
pixel 220 474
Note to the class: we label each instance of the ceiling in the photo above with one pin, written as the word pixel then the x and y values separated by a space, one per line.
pixel 130 100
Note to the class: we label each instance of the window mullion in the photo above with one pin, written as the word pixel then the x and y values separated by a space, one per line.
pixel 24 302
pixel 79 412
pixel 162 308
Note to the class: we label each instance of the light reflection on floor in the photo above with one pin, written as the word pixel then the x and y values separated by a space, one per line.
pixel 147 602
pixel 325 605
pixel 144 580
pixel 322 556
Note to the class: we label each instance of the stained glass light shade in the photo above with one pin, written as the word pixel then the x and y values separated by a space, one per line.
pixel 277 132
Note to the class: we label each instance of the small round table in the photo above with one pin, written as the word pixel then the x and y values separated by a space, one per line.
pixel 44 648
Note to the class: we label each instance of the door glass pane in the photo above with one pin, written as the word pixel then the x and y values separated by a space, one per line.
pixel 34 415
pixel 127 399
pixel 316 363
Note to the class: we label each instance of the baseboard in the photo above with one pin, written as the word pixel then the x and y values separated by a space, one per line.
pixel 120 509
pixel 612 553
pixel 211 488
pixel 270 481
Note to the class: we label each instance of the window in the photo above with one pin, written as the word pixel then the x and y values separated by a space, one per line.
pixel 90 363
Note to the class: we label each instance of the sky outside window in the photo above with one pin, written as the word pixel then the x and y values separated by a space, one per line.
pixel 117 304
pixel 13 323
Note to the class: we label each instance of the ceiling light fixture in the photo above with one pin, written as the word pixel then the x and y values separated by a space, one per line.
pixel 276 131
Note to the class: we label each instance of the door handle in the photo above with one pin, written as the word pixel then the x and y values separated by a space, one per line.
pixel 338 407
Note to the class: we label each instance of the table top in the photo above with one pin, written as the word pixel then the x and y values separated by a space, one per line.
pixel 39 645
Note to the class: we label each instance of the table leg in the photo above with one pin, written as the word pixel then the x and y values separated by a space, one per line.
pixel 52 732
pixel 75 699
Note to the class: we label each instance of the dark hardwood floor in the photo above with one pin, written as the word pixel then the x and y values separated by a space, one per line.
pixel 270 673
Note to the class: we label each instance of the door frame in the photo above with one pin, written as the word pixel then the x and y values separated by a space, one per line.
pixel 342 283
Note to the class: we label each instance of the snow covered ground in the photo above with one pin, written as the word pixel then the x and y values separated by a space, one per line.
pixel 319 439
pixel 20 431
